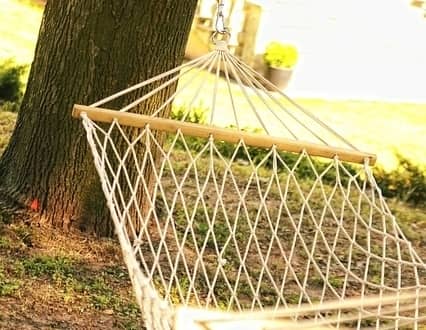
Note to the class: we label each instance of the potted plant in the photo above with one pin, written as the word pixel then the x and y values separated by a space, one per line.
pixel 280 59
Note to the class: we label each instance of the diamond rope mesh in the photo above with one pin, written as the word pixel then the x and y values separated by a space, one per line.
pixel 206 223
pixel 213 224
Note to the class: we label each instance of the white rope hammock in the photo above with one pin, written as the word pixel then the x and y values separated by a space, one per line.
pixel 213 216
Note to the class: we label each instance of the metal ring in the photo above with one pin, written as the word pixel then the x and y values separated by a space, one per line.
pixel 225 36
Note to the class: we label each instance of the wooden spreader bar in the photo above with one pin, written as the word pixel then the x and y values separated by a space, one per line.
pixel 222 134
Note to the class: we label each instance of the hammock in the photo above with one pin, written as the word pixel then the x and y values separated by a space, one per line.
pixel 216 214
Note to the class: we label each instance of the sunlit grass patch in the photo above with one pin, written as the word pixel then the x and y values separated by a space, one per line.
pixel 8 286
pixel 19 24
pixel 56 267
pixel 380 127
pixel 384 128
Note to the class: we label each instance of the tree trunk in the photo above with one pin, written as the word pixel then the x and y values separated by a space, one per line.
pixel 86 50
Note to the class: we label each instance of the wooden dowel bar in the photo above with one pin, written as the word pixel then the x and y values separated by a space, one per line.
pixel 223 134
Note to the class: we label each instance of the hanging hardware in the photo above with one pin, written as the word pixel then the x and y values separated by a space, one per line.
pixel 220 18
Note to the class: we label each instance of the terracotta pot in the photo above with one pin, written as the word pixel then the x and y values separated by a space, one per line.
pixel 279 76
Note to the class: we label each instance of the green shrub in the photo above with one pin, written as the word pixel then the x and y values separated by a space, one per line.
pixel 406 183
pixel 194 115
pixel 10 81
pixel 278 55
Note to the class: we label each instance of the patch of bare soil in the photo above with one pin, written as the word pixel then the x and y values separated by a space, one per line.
pixel 51 280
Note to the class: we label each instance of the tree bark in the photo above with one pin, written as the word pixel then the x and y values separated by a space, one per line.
pixel 86 50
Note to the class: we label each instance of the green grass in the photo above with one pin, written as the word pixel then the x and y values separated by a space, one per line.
pixel 58 266
pixel 380 127
pixel 8 286
pixel 19 24
pixel 384 128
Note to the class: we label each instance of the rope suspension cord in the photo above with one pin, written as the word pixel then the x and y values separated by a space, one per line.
pixel 296 122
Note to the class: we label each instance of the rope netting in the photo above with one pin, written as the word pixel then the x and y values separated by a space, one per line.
pixel 221 229
pixel 214 224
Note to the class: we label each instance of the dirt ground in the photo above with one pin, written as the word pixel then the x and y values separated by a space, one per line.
pixel 51 280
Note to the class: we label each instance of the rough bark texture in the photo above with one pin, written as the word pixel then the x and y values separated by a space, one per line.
pixel 86 50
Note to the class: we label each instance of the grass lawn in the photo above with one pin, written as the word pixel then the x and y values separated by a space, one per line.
pixel 382 127
pixel 50 280
pixel 19 24
pixel 54 280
